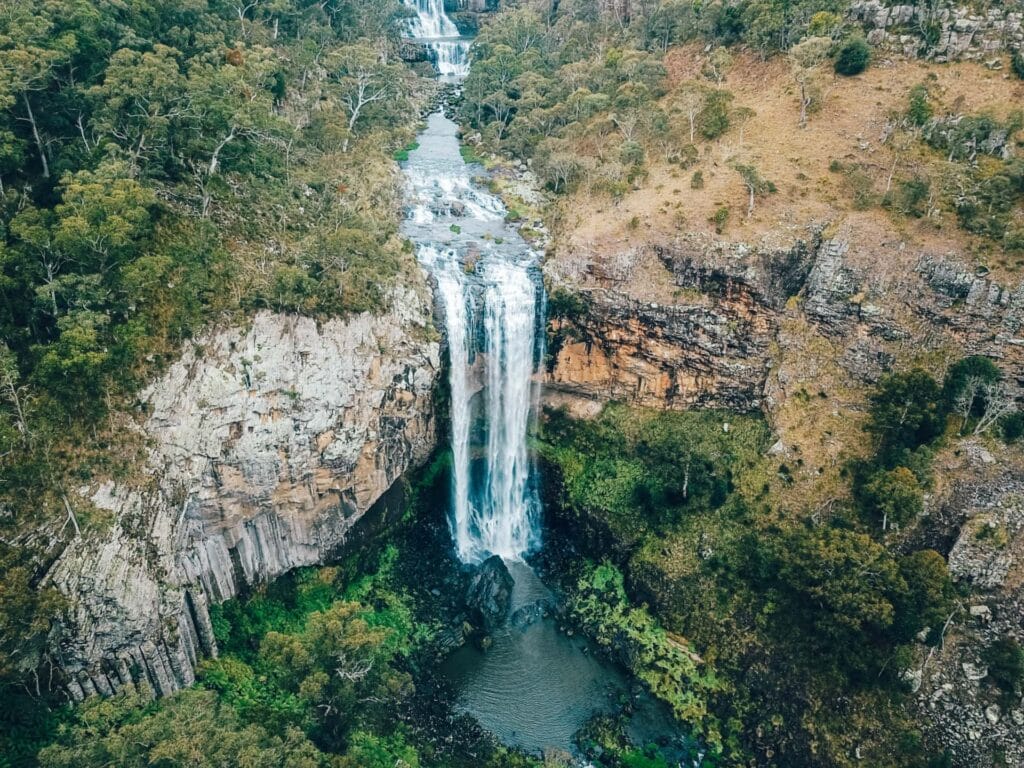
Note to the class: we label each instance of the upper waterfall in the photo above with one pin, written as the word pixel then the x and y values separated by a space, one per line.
pixel 431 25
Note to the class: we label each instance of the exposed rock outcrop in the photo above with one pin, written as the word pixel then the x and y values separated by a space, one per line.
pixel 706 343
pixel 489 595
pixel 941 31
pixel 268 443
pixel 705 333
pixel 983 504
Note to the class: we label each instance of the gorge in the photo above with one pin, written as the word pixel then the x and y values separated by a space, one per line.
pixel 511 384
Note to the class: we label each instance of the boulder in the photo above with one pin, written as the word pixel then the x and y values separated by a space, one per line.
pixel 489 596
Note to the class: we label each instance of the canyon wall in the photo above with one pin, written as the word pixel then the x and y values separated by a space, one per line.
pixel 696 322
pixel 267 444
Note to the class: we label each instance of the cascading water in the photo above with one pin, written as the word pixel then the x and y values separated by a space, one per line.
pixel 490 294
pixel 431 25
pixel 535 687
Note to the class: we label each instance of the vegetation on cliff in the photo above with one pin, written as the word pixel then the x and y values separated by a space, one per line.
pixel 162 166
pixel 771 614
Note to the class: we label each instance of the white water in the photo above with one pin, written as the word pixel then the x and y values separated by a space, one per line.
pixel 488 288
pixel 489 291
pixel 449 50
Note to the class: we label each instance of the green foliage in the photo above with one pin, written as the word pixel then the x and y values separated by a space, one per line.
pixel 643 472
pixel 960 374
pixel 469 154
pixel 907 411
pixel 713 119
pixel 755 183
pixel 636 758
pixel 1017 64
pixel 189 728
pixel 337 666
pixel 859 184
pixel 565 305
pixel 845 598
pixel 892 497
pixel 401 155
pixel 537 89
pixel 853 57
pixel 910 197
pixel 719 218
pixel 1005 660
pixel 919 106
pixel 985 197
pixel 697 180
pixel 183 164
pixel 370 751
pixel 666 664
pixel 324 651
pixel 983 183
pixel 1013 426
pixel 964 137
pixel 928 599
pixel 27 614
pixel 824 607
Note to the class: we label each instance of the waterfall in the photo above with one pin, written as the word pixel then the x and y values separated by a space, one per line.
pixel 491 304
pixel 506 518
pixel 448 49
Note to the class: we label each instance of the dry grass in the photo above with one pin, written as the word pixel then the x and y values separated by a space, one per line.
pixel 850 127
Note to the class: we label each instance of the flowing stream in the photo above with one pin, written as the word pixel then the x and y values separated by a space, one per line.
pixel 534 687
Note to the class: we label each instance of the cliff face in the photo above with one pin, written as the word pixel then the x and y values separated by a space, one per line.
pixel 695 321
pixel 941 31
pixel 268 444
pixel 703 341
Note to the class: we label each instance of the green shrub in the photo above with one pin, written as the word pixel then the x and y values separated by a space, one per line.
pixel 893 497
pixel 1013 426
pixel 910 197
pixel 713 119
pixel 566 305
pixel 862 188
pixel 697 180
pixel 962 371
pixel 719 219
pixel 906 412
pixel 1017 64
pixel 1005 660
pixel 853 57
pixel 631 153
pixel 666 664
pixel 919 107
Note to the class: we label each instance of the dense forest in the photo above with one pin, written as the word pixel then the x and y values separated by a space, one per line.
pixel 166 166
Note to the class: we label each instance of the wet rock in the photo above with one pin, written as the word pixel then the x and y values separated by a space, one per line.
pixel 532 613
pixel 489 596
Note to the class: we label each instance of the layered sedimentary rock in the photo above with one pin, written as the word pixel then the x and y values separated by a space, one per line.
pixel 705 340
pixel 704 331
pixel 268 443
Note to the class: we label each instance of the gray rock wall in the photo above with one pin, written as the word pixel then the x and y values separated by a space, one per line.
pixel 268 443
pixel 942 31
pixel 713 342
